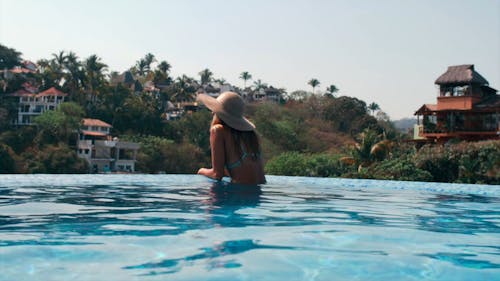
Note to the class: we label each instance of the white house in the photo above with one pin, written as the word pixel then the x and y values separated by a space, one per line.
pixel 102 152
pixel 32 104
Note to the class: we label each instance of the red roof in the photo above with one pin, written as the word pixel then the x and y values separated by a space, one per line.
pixel 21 70
pixel 426 107
pixel 52 92
pixel 95 122
pixel 21 93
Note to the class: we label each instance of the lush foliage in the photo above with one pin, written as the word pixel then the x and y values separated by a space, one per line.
pixel 301 164
pixel 59 159
pixel 307 134
pixel 160 155
pixel 477 162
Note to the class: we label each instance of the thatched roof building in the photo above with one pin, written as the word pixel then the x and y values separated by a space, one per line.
pixel 461 75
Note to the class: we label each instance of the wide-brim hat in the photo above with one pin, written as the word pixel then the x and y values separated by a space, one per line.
pixel 229 107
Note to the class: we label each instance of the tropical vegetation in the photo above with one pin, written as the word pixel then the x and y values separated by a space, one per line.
pixel 311 133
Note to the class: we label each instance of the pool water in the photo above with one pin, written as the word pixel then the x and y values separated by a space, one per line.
pixel 185 227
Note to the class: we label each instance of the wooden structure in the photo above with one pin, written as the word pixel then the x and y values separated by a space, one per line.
pixel 467 108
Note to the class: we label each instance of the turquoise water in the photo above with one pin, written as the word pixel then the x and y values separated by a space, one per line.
pixel 177 227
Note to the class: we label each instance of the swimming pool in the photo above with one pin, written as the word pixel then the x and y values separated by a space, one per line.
pixel 184 227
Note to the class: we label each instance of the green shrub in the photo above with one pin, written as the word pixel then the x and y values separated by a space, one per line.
pixel 54 159
pixel 438 161
pixel 399 169
pixel 467 162
pixel 300 164
pixel 287 164
pixel 160 155
pixel 479 162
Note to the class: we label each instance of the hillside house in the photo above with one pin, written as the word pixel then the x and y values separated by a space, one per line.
pixel 31 103
pixel 467 108
pixel 102 152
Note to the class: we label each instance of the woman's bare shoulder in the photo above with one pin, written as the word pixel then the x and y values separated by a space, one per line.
pixel 217 128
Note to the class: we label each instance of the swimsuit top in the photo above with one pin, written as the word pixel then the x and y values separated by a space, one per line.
pixel 243 156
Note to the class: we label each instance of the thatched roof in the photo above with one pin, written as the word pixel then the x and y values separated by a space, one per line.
pixel 461 74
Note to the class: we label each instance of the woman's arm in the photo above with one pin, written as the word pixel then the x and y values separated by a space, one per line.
pixel 218 154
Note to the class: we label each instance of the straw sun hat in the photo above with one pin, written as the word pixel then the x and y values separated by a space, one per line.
pixel 229 107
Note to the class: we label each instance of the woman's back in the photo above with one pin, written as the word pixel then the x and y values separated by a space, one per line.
pixel 244 165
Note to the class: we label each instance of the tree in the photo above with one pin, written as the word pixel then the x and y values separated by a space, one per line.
pixel 331 90
pixel 298 95
pixel 205 76
pixel 9 57
pixel 258 84
pixel 94 76
pixel 57 159
pixel 371 147
pixel 74 77
pixel 373 107
pixel 139 113
pixel 59 60
pixel 347 114
pixel 164 66
pixel 221 80
pixel 183 89
pixel 141 67
pixel 57 125
pixel 149 59
pixel 314 83
pixel 245 76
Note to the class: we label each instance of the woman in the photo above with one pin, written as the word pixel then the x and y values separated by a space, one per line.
pixel 234 144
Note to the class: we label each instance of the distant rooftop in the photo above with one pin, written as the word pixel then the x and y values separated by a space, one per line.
pixel 95 122
pixel 52 92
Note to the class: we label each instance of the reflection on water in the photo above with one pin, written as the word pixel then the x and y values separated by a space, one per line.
pixel 158 225
pixel 219 250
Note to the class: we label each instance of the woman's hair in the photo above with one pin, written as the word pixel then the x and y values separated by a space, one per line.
pixel 249 139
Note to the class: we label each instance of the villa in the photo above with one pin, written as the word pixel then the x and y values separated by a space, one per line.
pixel 467 108
pixel 102 152
pixel 33 103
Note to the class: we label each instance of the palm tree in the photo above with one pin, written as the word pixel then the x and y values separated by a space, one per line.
pixel 164 66
pixel 60 59
pixel 314 83
pixel 58 63
pixel 221 80
pixel 370 148
pixel 205 76
pixel 149 58
pixel 75 75
pixel 245 76
pixel 373 107
pixel 258 84
pixel 183 89
pixel 142 67
pixel 94 75
pixel 331 90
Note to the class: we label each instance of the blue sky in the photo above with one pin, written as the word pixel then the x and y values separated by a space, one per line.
pixel 386 51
